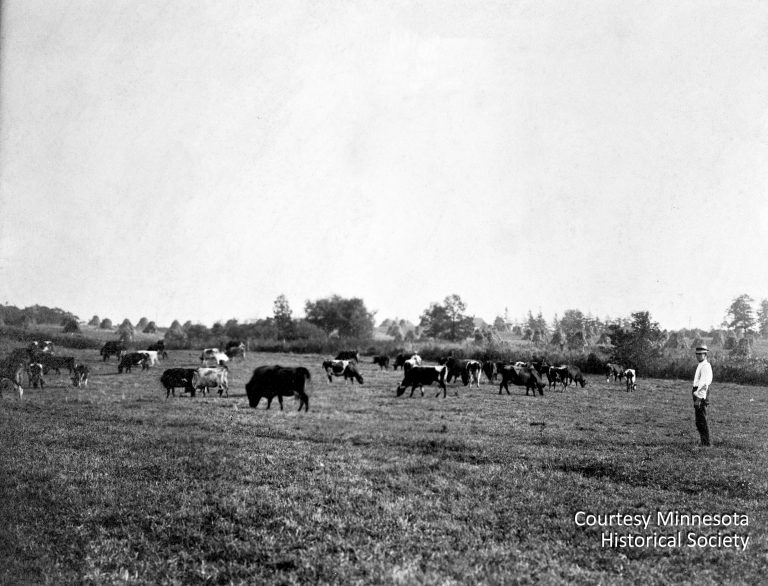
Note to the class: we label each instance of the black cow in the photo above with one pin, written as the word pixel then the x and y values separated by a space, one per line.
pixel 278 381
pixel 423 375
pixel 382 361
pixel 349 355
pixel 10 378
pixel 345 368
pixel 400 360
pixel 522 377
pixel 489 370
pixel 614 370
pixel 132 359
pixel 174 378
pixel 574 374
pixel 80 376
pixel 115 347
pixel 51 362
pixel 159 347
pixel 467 370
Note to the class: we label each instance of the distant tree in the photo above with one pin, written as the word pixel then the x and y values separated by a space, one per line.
pixel 410 336
pixel 572 321
pixel 717 339
pixel 71 326
pixel 730 342
pixel 740 314
pixel 349 317
pixel 762 318
pixel 743 349
pixel 303 330
pixel 677 341
pixel 447 321
pixel 28 322
pixel 233 329
pixel 142 323
pixel 176 336
pixel 395 331
pixel 638 345
pixel 217 329
pixel 106 324
pixel 557 339
pixel 94 321
pixel 187 324
pixel 283 317
pixel 500 325
pixel 517 330
pixel 150 328
pixel 198 334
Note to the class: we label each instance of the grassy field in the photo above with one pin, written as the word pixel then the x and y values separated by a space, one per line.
pixel 114 484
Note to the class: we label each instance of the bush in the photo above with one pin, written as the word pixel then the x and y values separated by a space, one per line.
pixel 71 326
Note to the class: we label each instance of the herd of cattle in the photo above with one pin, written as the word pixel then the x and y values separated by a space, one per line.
pixel 268 382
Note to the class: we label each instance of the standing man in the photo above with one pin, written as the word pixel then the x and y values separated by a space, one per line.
pixel 701 381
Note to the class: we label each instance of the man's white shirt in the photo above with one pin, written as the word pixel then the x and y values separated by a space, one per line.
pixel 702 379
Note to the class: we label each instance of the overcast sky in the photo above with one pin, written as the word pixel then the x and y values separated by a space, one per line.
pixel 194 160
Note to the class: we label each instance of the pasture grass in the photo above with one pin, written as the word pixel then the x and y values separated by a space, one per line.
pixel 114 484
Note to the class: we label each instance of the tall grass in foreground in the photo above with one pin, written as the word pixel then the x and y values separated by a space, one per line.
pixel 113 484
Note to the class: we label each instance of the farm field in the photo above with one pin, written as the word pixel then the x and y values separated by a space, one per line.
pixel 115 484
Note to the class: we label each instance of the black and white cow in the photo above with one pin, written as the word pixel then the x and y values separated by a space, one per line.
pixel 345 368
pixel 35 373
pixel 80 375
pixel 523 377
pixel 205 378
pixel 113 347
pixel 614 370
pixel 174 378
pixel 418 376
pixel 631 375
pixel 128 361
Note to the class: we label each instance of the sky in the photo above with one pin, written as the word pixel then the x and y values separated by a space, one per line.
pixel 193 161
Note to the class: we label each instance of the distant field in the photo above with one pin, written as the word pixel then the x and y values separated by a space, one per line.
pixel 114 484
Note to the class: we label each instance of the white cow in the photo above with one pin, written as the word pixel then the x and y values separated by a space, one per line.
pixel 213 354
pixel 151 354
pixel 216 377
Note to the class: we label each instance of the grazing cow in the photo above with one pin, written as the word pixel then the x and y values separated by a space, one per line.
pixel 382 361
pixel 50 361
pixel 522 377
pixel 615 371
pixel 236 352
pixel 35 374
pixel 345 368
pixel 401 358
pixel 159 347
pixel 216 377
pixel 128 361
pixel 10 378
pixel 115 347
pixel 423 375
pixel 213 354
pixel 278 381
pixel 574 374
pixel 541 367
pixel 353 355
pixel 150 354
pixel 631 377
pixel 80 376
pixel 173 378
pixel 557 374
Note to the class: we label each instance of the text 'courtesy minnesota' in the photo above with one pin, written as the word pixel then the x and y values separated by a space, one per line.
pixel 668 529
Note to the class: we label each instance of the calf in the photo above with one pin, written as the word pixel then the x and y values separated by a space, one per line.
pixel 423 375
pixel 631 377
pixel 382 361
pixel 35 373
pixel 173 378
pixel 345 368
pixel 128 361
pixel 205 378
pixel 523 377
pixel 80 376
